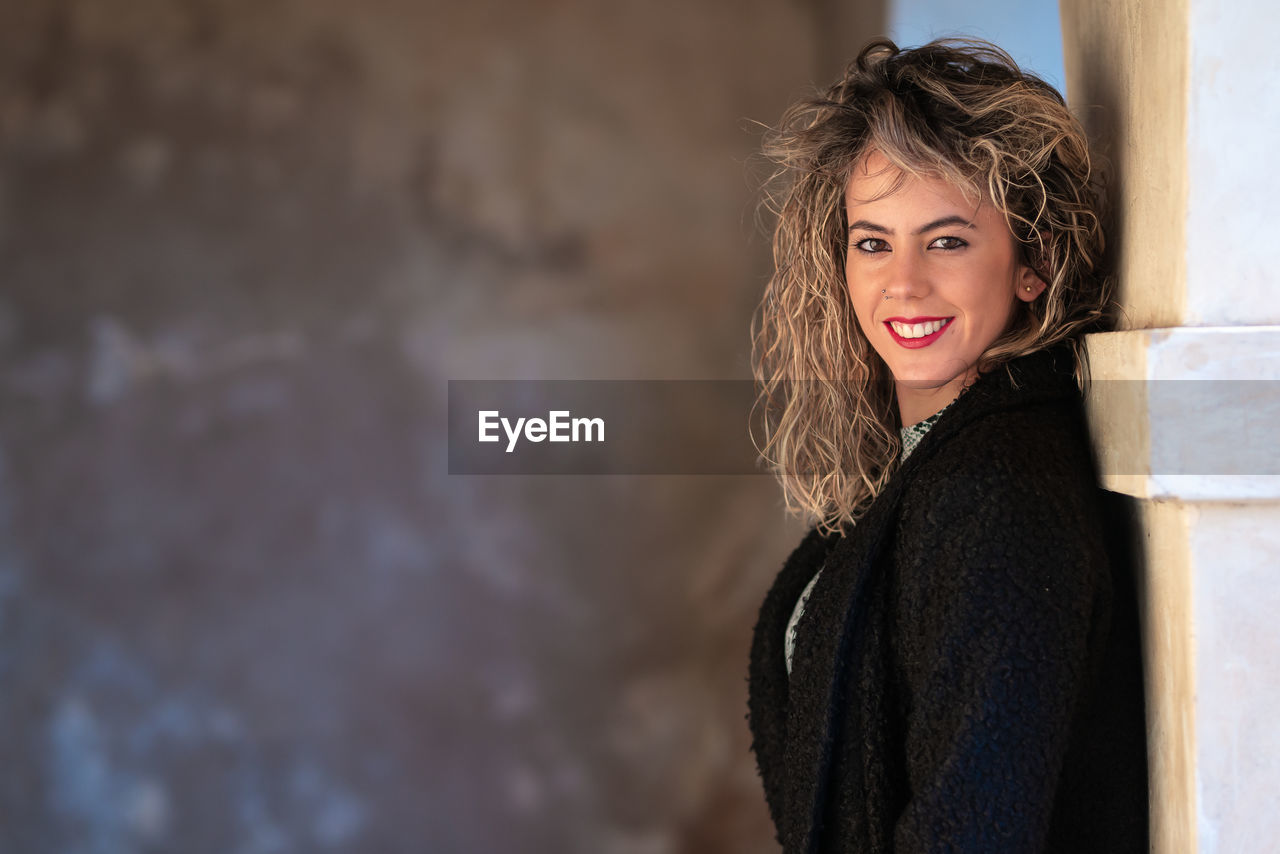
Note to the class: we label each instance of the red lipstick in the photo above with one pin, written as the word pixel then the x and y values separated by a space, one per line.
pixel 917 343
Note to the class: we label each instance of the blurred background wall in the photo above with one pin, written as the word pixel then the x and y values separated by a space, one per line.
pixel 243 246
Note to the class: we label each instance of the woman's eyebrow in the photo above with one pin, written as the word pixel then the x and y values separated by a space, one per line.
pixel 945 221
pixel 867 225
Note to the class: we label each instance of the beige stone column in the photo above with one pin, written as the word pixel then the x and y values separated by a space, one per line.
pixel 1178 96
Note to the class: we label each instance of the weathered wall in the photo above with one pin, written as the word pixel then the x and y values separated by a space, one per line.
pixel 243 245
pixel 1127 77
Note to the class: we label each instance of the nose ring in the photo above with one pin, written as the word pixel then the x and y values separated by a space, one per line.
pixel 882 290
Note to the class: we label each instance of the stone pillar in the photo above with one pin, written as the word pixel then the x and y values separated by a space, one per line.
pixel 1176 96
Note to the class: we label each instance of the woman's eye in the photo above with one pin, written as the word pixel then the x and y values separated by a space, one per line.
pixel 948 243
pixel 870 245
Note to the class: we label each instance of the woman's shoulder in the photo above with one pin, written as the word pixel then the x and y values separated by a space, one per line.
pixel 1033 461
pixel 1040 439
pixel 1009 504
pixel 1023 415
pixel 812 549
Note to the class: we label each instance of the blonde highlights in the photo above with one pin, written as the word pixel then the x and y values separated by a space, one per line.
pixel 956 109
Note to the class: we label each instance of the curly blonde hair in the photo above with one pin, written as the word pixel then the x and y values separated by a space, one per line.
pixel 956 109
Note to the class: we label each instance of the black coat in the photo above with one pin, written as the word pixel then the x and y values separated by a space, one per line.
pixel 967 674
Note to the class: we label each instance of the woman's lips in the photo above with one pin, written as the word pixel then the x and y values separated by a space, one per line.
pixel 917 343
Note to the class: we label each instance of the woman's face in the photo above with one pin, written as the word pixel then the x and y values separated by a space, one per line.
pixel 932 277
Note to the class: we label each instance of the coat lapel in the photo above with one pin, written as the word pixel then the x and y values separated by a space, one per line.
pixel 768 682
pixel 828 642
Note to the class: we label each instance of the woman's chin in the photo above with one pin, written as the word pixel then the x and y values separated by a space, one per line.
pixel 923 382
pixel 926 375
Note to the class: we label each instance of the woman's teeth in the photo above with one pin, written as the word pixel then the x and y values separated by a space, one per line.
pixel 918 330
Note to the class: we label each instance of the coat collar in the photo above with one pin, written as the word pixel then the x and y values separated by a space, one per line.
pixel 1041 377
pixel 798 714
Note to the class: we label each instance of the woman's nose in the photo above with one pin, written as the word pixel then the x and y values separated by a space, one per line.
pixel 906 276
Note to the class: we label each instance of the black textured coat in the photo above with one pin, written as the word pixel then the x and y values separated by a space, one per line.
pixel 967 675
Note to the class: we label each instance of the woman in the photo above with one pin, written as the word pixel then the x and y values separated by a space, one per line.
pixel 949 659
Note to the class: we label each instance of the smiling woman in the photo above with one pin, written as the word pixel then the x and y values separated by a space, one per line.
pixel 932 275
pixel 949 660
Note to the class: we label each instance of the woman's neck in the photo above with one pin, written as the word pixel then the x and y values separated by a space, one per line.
pixel 915 404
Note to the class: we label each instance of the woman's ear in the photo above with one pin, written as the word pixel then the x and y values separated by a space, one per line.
pixel 1030 285
pixel 1033 274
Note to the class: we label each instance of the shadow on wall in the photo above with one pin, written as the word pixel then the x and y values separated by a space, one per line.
pixel 242 606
